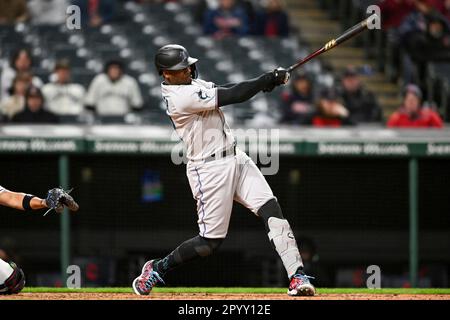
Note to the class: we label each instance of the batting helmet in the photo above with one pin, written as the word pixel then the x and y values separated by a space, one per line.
pixel 174 57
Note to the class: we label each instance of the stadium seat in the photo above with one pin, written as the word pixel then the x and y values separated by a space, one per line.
pixel 82 76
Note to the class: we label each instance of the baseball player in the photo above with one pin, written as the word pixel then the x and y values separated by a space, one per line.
pixel 218 172
pixel 12 278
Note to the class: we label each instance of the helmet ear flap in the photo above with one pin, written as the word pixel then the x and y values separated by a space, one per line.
pixel 194 71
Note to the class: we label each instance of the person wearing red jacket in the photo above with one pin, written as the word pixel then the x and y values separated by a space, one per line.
pixel 412 115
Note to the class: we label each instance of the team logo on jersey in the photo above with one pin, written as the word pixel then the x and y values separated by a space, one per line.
pixel 202 95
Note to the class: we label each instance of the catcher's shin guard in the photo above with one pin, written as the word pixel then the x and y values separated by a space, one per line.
pixel 15 283
pixel 283 241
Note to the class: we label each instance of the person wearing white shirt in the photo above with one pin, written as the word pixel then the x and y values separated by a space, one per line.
pixel 15 103
pixel 48 11
pixel 114 93
pixel 63 97
pixel 20 62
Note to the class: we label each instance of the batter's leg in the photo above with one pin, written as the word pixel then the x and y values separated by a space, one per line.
pixel 283 241
pixel 189 250
pixel 254 192
pixel 153 270
pixel 281 237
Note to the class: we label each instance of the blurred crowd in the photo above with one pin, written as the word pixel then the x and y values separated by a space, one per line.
pixel 53 12
pixel 351 103
pixel 26 99
pixel 420 29
pixel 415 24
pixel 219 18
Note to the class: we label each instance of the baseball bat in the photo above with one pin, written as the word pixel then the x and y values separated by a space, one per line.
pixel 350 33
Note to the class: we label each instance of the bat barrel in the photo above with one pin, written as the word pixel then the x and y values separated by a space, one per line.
pixel 354 30
pixel 331 44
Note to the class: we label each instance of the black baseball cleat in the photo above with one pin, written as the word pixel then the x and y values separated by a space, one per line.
pixel 300 286
pixel 149 278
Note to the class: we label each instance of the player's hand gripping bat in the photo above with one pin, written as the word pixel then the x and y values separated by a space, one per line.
pixel 350 33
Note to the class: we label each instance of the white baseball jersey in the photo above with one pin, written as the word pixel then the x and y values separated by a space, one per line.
pixel 215 184
pixel 2 189
pixel 7 78
pixel 113 98
pixel 64 99
pixel 197 118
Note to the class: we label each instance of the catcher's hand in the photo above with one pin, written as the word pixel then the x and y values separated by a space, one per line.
pixel 57 199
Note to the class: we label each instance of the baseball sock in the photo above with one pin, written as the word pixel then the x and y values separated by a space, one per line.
pixel 189 250
pixel 281 237
pixel 5 271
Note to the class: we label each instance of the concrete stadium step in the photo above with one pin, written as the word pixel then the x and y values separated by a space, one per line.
pixel 389 105
pixel 376 77
pixel 340 64
pixel 301 5
pixel 383 88
pixel 325 26
pixel 309 13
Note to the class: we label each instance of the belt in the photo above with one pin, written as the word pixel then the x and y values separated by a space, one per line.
pixel 223 154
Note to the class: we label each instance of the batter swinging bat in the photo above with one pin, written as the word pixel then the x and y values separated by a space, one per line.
pixel 350 33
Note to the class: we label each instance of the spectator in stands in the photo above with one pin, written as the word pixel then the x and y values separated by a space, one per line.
pixel 20 62
pixel 425 26
pixel 441 6
pixel 34 109
pixel 359 101
pixel 437 44
pixel 424 36
pixel 16 101
pixel 114 93
pixel 96 12
pixel 51 12
pixel 250 8
pixel 445 10
pixel 272 21
pixel 13 11
pixel 412 114
pixel 63 97
pixel 329 111
pixel 298 103
pixel 229 19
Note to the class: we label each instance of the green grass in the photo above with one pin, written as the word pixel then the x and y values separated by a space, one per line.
pixel 244 290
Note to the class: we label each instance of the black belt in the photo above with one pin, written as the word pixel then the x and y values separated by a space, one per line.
pixel 223 154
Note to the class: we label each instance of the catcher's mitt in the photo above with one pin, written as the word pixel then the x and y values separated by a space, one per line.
pixel 57 199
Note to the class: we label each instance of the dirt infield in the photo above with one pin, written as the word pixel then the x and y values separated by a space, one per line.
pixel 217 296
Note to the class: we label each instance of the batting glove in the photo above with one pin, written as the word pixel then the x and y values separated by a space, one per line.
pixel 279 76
